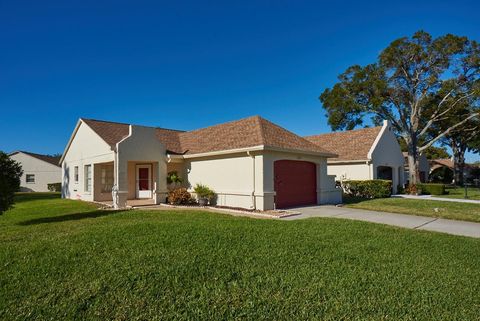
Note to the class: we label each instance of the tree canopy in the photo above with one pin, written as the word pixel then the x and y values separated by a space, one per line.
pixel 414 84
pixel 10 173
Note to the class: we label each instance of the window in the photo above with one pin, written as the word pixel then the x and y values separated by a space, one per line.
pixel 107 178
pixel 75 174
pixel 30 178
pixel 88 178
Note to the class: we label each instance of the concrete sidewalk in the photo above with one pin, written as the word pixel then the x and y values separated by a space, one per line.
pixel 402 220
pixel 433 198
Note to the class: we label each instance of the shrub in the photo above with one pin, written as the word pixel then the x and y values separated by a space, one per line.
pixel 433 189
pixel 204 191
pixel 377 188
pixel 180 196
pixel 54 187
pixel 173 177
pixel 400 189
pixel 10 173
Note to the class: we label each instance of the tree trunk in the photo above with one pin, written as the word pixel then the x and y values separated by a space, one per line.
pixel 458 151
pixel 413 164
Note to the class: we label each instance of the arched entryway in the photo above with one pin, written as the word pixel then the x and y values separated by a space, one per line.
pixel 295 183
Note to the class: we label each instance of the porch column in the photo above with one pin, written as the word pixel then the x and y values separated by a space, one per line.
pixel 121 184
pixel 160 184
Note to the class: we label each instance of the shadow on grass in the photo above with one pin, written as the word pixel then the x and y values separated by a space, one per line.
pixel 353 200
pixel 25 197
pixel 69 217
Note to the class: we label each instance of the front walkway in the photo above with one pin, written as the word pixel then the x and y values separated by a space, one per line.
pixel 402 220
pixel 433 198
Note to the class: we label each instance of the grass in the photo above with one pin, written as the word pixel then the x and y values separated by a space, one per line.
pixel 449 210
pixel 65 259
pixel 473 193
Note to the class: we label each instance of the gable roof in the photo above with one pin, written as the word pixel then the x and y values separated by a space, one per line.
pixel 350 144
pixel 112 133
pixel 244 133
pixel 53 160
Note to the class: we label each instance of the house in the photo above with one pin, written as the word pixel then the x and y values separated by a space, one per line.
pixel 250 163
pixel 38 171
pixel 441 171
pixel 368 153
pixel 423 168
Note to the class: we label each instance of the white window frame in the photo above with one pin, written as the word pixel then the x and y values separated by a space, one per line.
pixel 88 173
pixel 76 174
pixel 26 178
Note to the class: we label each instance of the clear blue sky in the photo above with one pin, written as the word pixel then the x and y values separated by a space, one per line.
pixel 185 65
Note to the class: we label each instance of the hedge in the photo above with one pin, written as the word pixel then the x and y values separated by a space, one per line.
pixel 376 188
pixel 54 187
pixel 433 189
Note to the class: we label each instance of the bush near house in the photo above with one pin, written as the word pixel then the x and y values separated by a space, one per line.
pixel 180 196
pixel 376 188
pixel 54 187
pixel 432 189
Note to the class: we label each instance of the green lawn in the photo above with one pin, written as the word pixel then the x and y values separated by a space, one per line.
pixel 66 260
pixel 473 193
pixel 450 210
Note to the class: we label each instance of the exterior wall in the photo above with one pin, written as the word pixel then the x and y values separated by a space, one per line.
pixel 141 146
pixel 86 148
pixel 235 178
pixel 387 152
pixel 45 173
pixel 326 191
pixel 346 171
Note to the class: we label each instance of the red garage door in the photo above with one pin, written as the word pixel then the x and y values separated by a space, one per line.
pixel 295 183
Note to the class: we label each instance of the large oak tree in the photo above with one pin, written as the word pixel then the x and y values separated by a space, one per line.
pixel 406 86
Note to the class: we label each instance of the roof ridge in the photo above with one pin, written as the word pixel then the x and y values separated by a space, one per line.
pixel 344 131
pixel 128 124
pixel 220 124
pixel 260 122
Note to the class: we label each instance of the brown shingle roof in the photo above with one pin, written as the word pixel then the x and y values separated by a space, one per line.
pixel 54 160
pixel 112 133
pixel 247 132
pixel 350 144
pixel 243 133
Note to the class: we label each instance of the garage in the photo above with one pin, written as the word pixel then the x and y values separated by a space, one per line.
pixel 295 183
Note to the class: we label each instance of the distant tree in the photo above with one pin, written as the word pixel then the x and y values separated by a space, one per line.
pixel 10 173
pixel 402 87
pixel 463 137
pixel 434 152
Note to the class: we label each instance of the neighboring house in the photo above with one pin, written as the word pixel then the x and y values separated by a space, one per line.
pixel 38 171
pixel 250 163
pixel 368 153
pixel 441 169
pixel 423 168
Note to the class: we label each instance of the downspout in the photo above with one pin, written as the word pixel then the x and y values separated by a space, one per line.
pixel 254 205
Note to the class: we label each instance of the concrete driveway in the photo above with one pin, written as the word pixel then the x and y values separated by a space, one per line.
pixel 402 220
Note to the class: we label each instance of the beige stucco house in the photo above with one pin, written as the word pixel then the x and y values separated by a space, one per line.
pixel 367 153
pixel 250 163
pixel 38 171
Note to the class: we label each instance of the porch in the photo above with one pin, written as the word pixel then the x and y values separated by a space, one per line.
pixel 131 183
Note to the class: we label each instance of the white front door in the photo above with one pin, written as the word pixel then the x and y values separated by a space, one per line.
pixel 144 181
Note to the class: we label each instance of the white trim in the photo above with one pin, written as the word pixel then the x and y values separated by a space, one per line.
pixel 251 149
pixel 385 126
pixel 340 162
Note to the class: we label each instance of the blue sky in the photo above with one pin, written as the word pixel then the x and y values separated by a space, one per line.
pixel 185 65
